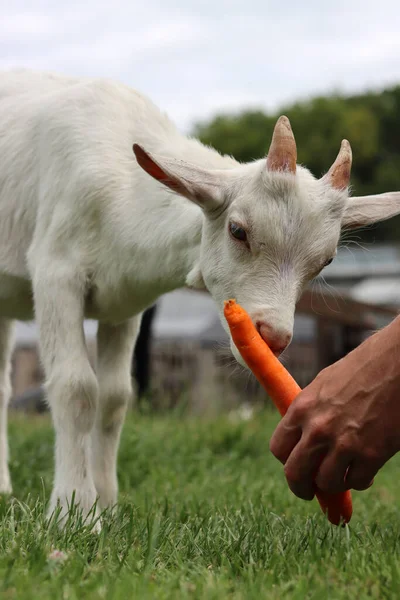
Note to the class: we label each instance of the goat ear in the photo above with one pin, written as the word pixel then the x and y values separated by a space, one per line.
pixel 366 210
pixel 202 186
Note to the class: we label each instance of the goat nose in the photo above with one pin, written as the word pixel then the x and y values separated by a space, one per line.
pixel 277 340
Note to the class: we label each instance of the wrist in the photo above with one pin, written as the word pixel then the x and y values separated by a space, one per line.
pixel 387 352
pixel 391 337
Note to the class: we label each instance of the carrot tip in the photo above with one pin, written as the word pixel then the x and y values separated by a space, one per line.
pixel 229 303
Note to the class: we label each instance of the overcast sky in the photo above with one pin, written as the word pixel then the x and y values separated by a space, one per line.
pixel 198 57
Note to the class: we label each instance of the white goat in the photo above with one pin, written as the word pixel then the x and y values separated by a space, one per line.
pixel 88 230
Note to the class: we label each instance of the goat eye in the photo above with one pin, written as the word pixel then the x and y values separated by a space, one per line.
pixel 237 232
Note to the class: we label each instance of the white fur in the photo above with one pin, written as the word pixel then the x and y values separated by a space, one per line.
pixel 86 232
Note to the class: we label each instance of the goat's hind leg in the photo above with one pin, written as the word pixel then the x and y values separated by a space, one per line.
pixel 115 347
pixel 6 329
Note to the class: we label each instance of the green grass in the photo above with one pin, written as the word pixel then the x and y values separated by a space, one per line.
pixel 204 513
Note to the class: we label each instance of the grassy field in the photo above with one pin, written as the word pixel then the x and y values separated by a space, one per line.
pixel 204 513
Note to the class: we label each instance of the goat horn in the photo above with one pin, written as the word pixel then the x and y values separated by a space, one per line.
pixel 338 175
pixel 282 155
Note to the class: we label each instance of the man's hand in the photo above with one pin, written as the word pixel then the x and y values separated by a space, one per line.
pixel 345 425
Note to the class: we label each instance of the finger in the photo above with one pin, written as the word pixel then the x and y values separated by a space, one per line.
pixel 361 473
pixel 301 466
pixel 284 439
pixel 331 476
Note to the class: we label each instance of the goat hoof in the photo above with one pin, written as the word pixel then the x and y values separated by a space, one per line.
pixel 66 509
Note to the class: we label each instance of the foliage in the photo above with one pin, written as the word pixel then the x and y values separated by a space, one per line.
pixel 371 122
pixel 205 513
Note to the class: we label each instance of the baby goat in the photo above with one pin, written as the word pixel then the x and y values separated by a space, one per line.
pixel 90 228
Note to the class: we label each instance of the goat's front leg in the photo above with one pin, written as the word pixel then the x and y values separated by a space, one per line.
pixel 71 384
pixel 115 345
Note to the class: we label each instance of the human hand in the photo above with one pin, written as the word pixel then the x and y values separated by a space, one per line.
pixel 345 425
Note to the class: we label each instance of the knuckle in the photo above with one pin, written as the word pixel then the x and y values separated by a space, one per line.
pixel 318 430
pixel 292 477
pixel 301 407
pixel 371 455
pixel 290 474
pixel 344 445
pixel 323 481
pixel 275 443
pixel 274 447
pixel 275 451
pixel 297 485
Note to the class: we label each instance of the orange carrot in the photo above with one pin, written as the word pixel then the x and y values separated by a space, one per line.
pixel 282 389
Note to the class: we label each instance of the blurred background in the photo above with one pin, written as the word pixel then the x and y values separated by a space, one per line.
pixel 223 71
